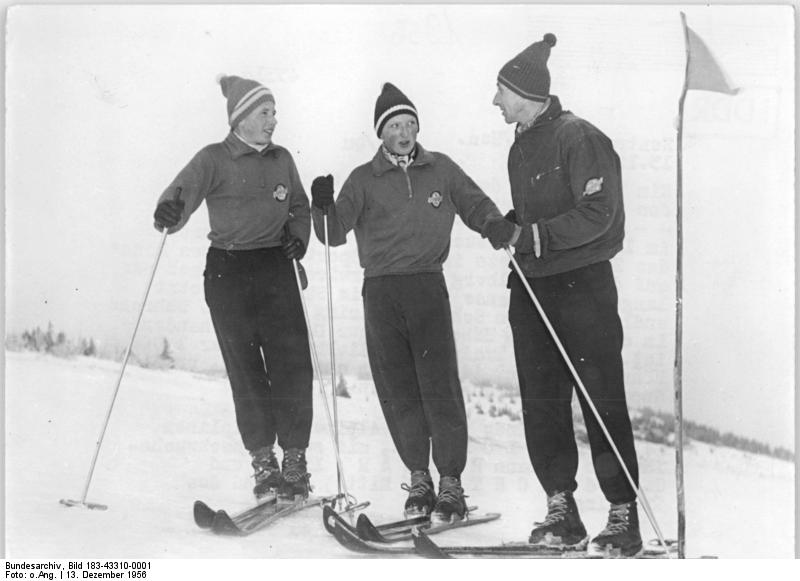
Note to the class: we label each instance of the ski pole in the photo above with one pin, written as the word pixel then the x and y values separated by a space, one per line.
pixel 638 490
pixel 82 502
pixel 331 342
pixel 316 366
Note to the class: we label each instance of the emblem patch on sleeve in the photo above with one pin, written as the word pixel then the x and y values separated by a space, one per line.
pixel 280 192
pixel 435 199
pixel 593 186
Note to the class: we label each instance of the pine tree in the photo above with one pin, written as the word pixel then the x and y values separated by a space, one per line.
pixel 341 387
pixel 166 355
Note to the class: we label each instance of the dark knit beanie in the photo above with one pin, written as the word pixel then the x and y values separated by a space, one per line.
pixel 392 102
pixel 526 74
pixel 243 96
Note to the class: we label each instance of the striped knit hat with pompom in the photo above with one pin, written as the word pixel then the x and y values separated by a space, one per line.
pixel 243 96
pixel 392 102
pixel 526 74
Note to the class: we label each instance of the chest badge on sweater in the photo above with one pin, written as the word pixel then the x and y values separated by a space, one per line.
pixel 593 186
pixel 280 192
pixel 435 199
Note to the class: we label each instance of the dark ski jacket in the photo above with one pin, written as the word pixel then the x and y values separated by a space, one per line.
pixel 565 177
pixel 250 195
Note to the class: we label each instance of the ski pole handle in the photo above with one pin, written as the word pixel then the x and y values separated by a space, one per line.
pixel 164 229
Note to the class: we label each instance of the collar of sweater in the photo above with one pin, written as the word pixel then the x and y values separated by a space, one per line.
pixel 238 148
pixel 550 111
pixel 398 160
pixel 381 164
pixel 258 148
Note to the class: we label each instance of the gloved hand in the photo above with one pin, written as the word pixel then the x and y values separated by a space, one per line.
pixel 168 213
pixel 322 192
pixel 524 243
pixel 500 232
pixel 293 248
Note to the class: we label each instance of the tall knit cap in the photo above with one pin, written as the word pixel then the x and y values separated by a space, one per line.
pixel 392 102
pixel 243 96
pixel 526 74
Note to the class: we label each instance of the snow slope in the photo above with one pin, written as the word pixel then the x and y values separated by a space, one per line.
pixel 172 439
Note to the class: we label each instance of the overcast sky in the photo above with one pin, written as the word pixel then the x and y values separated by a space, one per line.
pixel 106 104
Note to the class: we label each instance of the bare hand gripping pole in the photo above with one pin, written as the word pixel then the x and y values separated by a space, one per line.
pixel 82 502
pixel 638 490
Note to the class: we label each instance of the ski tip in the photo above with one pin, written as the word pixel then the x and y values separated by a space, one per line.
pixel 223 524
pixel 328 518
pixel 367 530
pixel 425 547
pixel 346 540
pixel 203 514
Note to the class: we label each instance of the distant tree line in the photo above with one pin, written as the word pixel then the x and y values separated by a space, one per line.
pixel 499 399
pixel 51 342
pixel 57 343
pixel 648 424
pixel 659 427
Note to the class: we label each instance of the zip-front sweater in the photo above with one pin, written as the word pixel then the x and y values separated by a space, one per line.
pixel 250 195
pixel 403 218
pixel 565 178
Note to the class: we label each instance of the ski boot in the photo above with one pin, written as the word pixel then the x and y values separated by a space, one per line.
pixel 295 477
pixel 621 537
pixel 450 504
pixel 562 527
pixel 267 473
pixel 421 496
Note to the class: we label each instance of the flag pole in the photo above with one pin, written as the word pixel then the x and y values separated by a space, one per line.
pixel 678 368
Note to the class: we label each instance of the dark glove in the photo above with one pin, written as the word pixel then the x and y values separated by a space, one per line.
pixel 293 248
pixel 322 192
pixel 524 243
pixel 168 213
pixel 500 232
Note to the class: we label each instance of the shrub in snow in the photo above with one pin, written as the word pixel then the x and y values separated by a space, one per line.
pixel 50 342
pixel 341 387
pixel 166 355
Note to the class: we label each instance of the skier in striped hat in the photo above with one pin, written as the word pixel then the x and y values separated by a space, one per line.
pixel 402 205
pixel 259 217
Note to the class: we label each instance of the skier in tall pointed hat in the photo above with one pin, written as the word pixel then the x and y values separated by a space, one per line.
pixel 254 198
pixel 566 187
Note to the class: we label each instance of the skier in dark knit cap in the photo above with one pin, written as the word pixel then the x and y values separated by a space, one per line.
pixel 402 205
pixel 567 192
pixel 259 217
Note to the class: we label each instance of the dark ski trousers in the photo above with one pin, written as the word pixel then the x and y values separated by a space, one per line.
pixel 258 318
pixel 582 307
pixel 412 355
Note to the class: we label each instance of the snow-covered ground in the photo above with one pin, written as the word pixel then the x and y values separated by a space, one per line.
pixel 172 439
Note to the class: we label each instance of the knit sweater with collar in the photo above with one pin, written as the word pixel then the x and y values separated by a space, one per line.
pixel 250 194
pixel 403 218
